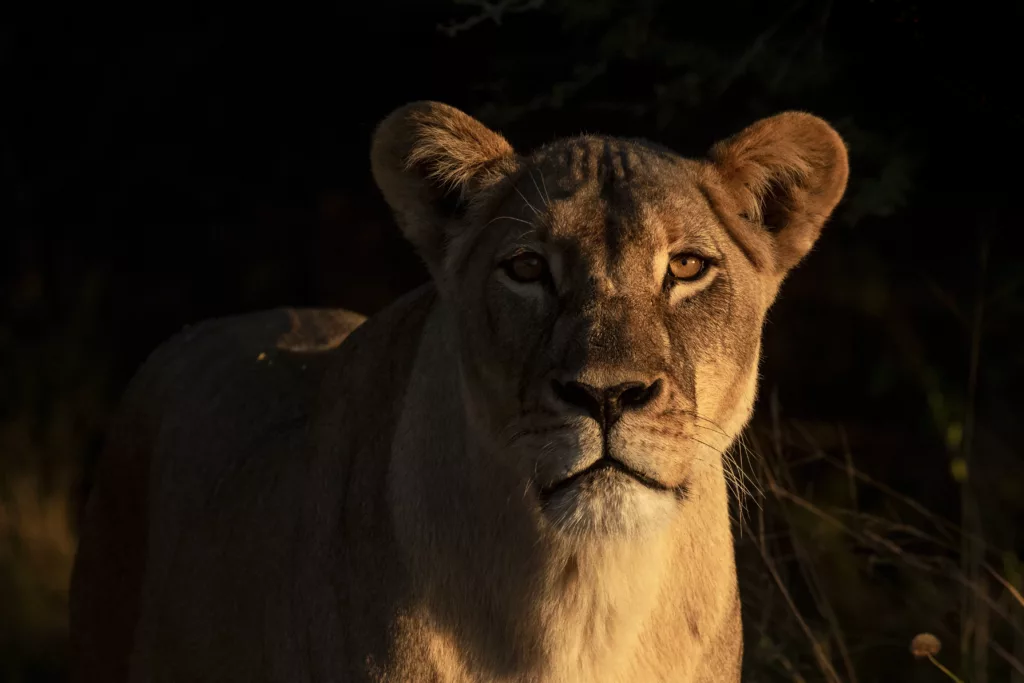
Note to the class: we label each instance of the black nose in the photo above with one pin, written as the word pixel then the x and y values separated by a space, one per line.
pixel 607 405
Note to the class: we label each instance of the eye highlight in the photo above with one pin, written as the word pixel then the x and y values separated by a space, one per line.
pixel 687 267
pixel 525 267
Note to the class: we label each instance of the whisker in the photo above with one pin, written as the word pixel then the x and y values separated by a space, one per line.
pixel 534 179
pixel 735 475
pixel 697 416
pixel 529 483
pixel 510 218
pixel 547 197
pixel 531 206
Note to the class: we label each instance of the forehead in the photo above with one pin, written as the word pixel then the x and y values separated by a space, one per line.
pixel 615 195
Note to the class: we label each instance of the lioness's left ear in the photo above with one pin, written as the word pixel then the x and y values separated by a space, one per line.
pixel 432 162
pixel 786 174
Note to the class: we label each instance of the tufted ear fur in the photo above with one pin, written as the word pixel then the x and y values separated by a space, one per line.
pixel 785 173
pixel 433 162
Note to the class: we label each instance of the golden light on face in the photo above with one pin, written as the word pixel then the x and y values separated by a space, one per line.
pixel 633 270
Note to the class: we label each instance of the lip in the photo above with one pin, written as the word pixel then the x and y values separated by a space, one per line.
pixel 603 463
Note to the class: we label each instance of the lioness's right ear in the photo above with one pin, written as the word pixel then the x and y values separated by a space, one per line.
pixel 432 161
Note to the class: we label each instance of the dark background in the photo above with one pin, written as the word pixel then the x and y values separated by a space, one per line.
pixel 168 165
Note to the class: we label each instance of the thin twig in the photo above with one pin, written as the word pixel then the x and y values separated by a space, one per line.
pixel 974 616
pixel 1011 589
pixel 940 667
pixel 493 11
pixel 1007 657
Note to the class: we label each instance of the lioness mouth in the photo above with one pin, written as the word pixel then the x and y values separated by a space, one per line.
pixel 606 462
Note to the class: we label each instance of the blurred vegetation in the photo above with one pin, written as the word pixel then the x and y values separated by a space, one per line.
pixel 190 167
pixel 52 412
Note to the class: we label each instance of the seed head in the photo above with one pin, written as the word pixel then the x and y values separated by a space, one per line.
pixel 925 645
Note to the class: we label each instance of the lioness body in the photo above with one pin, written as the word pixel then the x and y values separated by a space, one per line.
pixel 477 484
pixel 254 561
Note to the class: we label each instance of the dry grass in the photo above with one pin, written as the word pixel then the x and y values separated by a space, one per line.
pixel 834 590
pixel 53 408
pixel 37 546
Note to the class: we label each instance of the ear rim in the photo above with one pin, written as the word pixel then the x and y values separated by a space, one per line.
pixel 795 151
pixel 426 154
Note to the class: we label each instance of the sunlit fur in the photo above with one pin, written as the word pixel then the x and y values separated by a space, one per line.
pixel 409 506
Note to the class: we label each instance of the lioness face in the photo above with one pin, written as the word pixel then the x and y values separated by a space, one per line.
pixel 609 331
pixel 607 297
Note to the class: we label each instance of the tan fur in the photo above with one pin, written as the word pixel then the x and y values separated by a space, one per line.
pixel 416 502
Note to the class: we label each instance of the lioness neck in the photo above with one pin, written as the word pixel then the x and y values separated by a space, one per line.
pixel 502 596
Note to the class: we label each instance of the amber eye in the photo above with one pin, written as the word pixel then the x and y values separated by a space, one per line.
pixel 525 267
pixel 687 267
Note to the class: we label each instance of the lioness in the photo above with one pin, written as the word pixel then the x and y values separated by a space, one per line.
pixel 514 473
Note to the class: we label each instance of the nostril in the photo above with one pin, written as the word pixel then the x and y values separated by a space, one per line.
pixel 633 395
pixel 581 396
pixel 607 405
pixel 637 394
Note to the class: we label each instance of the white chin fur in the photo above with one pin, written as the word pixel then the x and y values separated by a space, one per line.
pixel 610 505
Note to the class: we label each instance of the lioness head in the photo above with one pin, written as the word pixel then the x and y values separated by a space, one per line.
pixel 606 296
